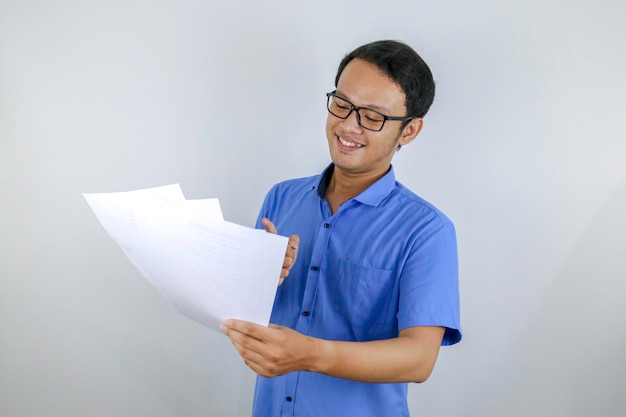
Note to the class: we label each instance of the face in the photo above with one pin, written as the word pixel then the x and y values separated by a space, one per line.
pixel 357 151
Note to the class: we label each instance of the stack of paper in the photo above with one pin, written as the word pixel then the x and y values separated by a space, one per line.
pixel 207 268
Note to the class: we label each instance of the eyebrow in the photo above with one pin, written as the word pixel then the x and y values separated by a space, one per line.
pixel 378 108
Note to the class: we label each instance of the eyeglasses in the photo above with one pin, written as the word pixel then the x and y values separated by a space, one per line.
pixel 366 118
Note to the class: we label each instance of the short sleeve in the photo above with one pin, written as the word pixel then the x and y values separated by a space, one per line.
pixel 429 284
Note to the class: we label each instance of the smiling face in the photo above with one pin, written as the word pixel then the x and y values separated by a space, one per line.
pixel 361 152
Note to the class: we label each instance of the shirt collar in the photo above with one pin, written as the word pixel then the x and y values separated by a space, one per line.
pixel 371 196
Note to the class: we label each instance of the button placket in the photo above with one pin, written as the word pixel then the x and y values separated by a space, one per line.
pixel 320 245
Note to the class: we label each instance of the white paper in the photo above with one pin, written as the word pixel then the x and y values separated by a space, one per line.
pixel 207 268
pixel 208 205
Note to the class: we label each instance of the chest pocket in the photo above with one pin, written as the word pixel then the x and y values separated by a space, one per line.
pixel 362 293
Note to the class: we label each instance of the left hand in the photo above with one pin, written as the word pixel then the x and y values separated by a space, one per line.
pixel 290 254
pixel 269 351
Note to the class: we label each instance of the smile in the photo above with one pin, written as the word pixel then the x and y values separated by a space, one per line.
pixel 349 144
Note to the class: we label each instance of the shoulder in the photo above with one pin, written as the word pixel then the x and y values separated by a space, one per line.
pixel 296 184
pixel 414 208
pixel 293 188
pixel 291 191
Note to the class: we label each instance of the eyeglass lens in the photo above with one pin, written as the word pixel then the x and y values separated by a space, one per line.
pixel 368 119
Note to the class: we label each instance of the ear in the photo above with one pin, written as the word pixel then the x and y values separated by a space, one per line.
pixel 410 131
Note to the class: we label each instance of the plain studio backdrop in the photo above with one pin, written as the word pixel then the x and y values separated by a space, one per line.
pixel 524 148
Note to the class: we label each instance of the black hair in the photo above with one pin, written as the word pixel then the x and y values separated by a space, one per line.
pixel 402 65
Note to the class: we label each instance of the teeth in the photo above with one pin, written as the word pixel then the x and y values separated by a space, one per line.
pixel 350 144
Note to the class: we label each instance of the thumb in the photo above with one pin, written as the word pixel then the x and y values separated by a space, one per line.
pixel 269 226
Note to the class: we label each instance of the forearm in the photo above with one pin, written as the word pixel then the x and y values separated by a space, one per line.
pixel 277 350
pixel 407 358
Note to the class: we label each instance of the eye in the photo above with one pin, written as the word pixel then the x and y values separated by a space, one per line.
pixel 341 104
pixel 373 117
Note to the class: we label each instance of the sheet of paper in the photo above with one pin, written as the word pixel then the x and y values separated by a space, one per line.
pixel 207 268
pixel 208 205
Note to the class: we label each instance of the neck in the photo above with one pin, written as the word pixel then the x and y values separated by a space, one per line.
pixel 345 185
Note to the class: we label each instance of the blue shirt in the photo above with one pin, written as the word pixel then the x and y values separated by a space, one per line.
pixel 387 260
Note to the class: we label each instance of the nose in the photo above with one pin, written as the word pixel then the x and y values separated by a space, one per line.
pixel 352 121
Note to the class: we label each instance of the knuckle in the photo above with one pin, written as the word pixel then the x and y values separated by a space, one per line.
pixel 244 347
pixel 271 369
pixel 246 342
pixel 274 356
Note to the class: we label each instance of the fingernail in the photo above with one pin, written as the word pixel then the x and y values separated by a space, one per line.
pixel 293 244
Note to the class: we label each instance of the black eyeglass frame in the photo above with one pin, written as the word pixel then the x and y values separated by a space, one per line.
pixel 358 115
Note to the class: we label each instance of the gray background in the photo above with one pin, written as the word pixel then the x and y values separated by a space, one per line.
pixel 524 149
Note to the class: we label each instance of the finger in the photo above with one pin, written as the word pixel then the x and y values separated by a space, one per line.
pixel 253 351
pixel 284 272
pixel 265 335
pixel 262 368
pixel 249 348
pixel 255 360
pixel 269 226
pixel 246 328
pixel 292 252
pixel 288 262
pixel 292 247
pixel 290 257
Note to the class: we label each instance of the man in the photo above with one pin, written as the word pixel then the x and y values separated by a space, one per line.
pixel 373 290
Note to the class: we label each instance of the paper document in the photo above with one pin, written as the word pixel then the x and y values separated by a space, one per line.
pixel 207 268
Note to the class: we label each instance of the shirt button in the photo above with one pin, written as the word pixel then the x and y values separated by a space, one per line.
pixel 305 313
pixel 314 268
pixel 288 399
pixel 326 225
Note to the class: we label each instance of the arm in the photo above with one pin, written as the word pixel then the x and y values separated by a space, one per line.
pixel 277 350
